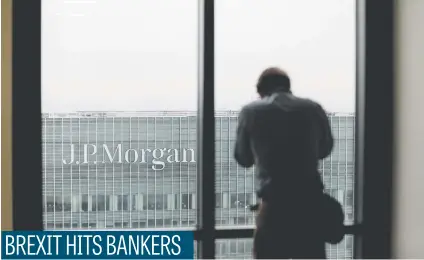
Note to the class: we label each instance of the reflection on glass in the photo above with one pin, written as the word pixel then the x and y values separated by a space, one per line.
pixel 314 42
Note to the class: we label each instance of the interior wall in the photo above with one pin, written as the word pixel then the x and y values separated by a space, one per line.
pixel 6 115
pixel 408 236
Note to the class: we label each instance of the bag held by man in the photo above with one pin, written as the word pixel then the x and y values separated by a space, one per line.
pixel 332 220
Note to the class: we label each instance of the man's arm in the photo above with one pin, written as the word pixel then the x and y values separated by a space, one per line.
pixel 243 151
pixel 326 141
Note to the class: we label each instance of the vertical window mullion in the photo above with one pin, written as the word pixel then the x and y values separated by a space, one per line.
pixel 89 197
pixel 155 191
pixel 180 195
pixel 122 173
pixel 138 198
pixel 79 174
pixel 72 180
pixel 190 206
pixel 165 197
pixel 54 172
pixel 206 131
pixel 106 195
pixel 63 181
pixel 172 174
pixel 374 148
pixel 130 196
pixel 114 201
pixel 45 173
pixel 147 174
pixel 97 181
pixel 221 184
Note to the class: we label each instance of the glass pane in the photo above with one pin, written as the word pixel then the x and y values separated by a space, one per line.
pixel 240 248
pixel 119 84
pixel 342 251
pixel 314 41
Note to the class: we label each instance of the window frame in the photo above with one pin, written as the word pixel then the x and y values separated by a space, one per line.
pixel 374 128
pixel 374 111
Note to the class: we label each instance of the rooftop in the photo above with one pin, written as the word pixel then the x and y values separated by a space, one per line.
pixel 110 114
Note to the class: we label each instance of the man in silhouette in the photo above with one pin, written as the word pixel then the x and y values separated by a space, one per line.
pixel 284 136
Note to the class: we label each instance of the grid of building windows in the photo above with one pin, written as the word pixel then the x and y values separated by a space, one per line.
pixel 138 170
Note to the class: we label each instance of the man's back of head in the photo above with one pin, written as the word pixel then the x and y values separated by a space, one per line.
pixel 271 80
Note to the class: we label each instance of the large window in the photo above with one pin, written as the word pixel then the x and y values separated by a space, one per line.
pixel 314 41
pixel 119 124
pixel 119 83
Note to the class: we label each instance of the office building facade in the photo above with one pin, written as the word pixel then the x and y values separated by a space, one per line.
pixel 132 170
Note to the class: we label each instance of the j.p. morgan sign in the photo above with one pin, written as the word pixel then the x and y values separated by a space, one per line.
pixel 158 157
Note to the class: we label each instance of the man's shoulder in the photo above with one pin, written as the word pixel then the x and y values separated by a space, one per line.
pixel 254 105
pixel 307 102
pixel 253 108
pixel 269 104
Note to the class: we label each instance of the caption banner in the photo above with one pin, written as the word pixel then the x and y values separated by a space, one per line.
pixel 97 245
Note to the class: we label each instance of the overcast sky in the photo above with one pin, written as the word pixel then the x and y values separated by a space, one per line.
pixel 142 54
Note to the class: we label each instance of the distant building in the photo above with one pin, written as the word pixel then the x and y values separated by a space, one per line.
pixel 129 170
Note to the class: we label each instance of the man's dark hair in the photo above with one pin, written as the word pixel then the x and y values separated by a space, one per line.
pixel 271 80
